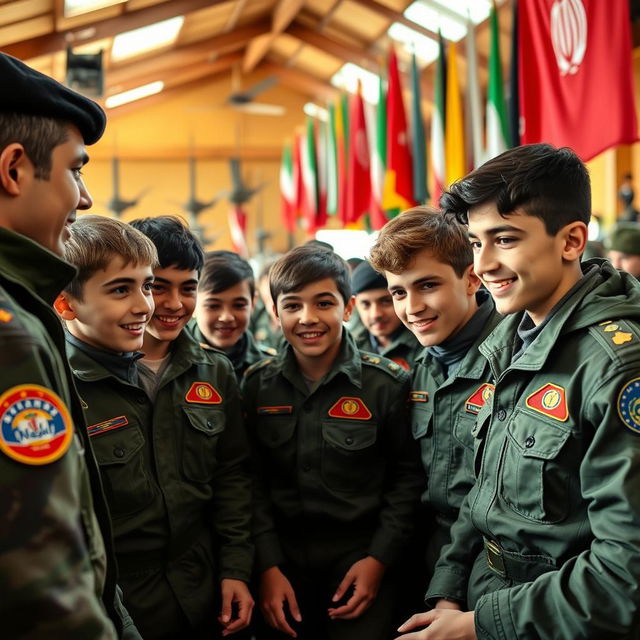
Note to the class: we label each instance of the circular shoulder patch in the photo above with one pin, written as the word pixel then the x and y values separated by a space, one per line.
pixel 629 405
pixel 35 425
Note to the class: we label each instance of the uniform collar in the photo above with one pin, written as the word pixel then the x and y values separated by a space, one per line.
pixel 30 265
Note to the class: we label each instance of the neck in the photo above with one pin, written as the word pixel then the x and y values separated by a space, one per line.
pixel 153 348
pixel 572 274
pixel 316 367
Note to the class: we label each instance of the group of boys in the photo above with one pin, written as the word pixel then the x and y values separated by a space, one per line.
pixel 129 439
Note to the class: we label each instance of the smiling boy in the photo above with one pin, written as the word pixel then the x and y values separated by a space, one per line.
pixel 166 426
pixel 557 455
pixel 339 481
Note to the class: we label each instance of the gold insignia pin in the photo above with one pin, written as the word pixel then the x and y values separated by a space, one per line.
pixel 611 327
pixel 374 360
pixel 605 322
pixel 393 367
pixel 621 338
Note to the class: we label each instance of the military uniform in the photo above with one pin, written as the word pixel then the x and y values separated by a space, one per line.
pixel 340 478
pixel 53 563
pixel 404 348
pixel 175 477
pixel 261 328
pixel 557 459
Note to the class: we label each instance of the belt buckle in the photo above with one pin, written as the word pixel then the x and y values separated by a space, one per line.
pixel 495 559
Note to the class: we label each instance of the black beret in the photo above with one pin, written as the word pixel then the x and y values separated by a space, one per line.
pixel 625 238
pixel 365 277
pixel 27 91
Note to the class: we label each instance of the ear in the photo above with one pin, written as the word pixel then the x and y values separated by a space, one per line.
pixel 13 161
pixel 274 307
pixel 574 239
pixel 348 309
pixel 472 281
pixel 63 307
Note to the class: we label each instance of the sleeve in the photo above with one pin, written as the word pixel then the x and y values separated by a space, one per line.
pixel 595 593
pixel 269 551
pixel 129 629
pixel 47 580
pixel 405 481
pixel 232 491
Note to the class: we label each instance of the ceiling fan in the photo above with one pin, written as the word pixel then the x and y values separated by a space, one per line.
pixel 243 100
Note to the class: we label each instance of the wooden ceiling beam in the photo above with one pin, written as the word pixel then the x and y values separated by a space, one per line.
pixel 301 82
pixel 108 28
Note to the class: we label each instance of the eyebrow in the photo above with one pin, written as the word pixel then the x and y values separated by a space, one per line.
pixel 429 278
pixel 494 231
pixel 115 281
pixel 181 284
pixel 315 297
pixel 236 299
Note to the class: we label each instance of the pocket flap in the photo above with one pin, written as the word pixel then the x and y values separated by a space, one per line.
pixel 535 437
pixel 208 421
pixel 421 420
pixel 351 436
pixel 119 446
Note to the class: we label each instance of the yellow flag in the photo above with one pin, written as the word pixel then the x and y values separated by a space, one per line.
pixel 456 166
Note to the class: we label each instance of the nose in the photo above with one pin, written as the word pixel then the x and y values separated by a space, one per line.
pixel 86 201
pixel 173 301
pixel 143 304
pixel 308 315
pixel 414 303
pixel 225 315
pixel 484 260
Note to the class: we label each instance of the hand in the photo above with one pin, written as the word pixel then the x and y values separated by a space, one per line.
pixel 365 576
pixel 275 590
pixel 235 592
pixel 448 604
pixel 442 624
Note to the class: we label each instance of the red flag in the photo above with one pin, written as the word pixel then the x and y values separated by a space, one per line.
pixel 575 77
pixel 359 185
pixel 398 185
pixel 298 187
pixel 238 228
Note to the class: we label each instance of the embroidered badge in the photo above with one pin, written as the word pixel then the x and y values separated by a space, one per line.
pixel 550 400
pixel 403 363
pixel 5 316
pixel 419 396
pixel 605 322
pixel 629 405
pixel 35 425
pixel 203 393
pixel 107 425
pixel 353 408
pixel 275 411
pixel 620 337
pixel 476 400
pixel 611 327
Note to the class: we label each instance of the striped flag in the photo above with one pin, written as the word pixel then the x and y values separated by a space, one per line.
pixel 419 143
pixel 359 186
pixel 332 164
pixel 377 215
pixel 437 124
pixel 288 190
pixel 310 177
pixel 473 96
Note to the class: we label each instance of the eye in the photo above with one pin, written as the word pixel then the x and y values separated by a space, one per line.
pixel 148 287
pixel 157 288
pixel 398 294
pixel 428 285
pixel 120 290
pixel 325 304
pixel 291 306
pixel 475 245
pixel 189 291
pixel 240 306
pixel 505 240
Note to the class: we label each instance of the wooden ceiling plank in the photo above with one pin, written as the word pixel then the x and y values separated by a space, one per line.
pixel 301 82
pixel 110 27
pixel 324 23
pixel 256 51
pixel 234 16
pixel 23 10
pixel 284 13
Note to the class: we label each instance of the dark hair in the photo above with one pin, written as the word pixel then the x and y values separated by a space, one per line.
pixel 420 229
pixel 223 270
pixel 306 264
pixel 176 244
pixel 540 180
pixel 38 135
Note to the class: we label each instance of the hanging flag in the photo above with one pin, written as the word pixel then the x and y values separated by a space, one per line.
pixel 438 123
pixel 359 187
pixel 310 177
pixel 456 167
pixel 473 96
pixel 419 143
pixel 341 145
pixel 377 215
pixel 297 174
pixel 332 163
pixel 497 126
pixel 287 190
pixel 513 102
pixel 576 83
pixel 238 226
pixel 398 182
pixel 322 146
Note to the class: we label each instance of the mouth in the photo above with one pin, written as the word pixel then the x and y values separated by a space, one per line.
pixel 499 286
pixel 170 322
pixel 225 331
pixel 136 329
pixel 424 324
pixel 310 336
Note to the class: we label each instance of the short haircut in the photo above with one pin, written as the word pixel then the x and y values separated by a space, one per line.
pixel 306 264
pixel 421 229
pixel 538 179
pixel 38 135
pixel 96 240
pixel 223 270
pixel 175 243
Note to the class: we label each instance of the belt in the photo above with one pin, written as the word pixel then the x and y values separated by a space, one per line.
pixel 515 566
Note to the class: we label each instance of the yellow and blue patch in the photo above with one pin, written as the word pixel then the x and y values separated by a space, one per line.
pixel 629 405
pixel 107 425
pixel 35 425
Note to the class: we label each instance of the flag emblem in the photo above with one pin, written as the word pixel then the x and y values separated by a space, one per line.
pixel 550 400
pixel 568 34
pixel 202 393
pixel 629 405
pixel 107 425
pixel 35 425
pixel 477 399
pixel 353 408
pixel 419 396
pixel 275 411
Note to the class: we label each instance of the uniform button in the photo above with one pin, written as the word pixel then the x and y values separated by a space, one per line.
pixel 501 415
pixel 348 440
pixel 529 442
pixel 118 452
pixel 209 424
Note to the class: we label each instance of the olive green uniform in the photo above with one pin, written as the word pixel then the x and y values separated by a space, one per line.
pixel 262 330
pixel 340 478
pixel 557 459
pixel 403 350
pixel 175 477
pixel 53 564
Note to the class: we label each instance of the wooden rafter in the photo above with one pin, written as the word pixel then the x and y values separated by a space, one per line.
pixel 301 82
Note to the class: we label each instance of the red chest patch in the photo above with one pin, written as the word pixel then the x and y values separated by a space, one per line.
pixel 352 408
pixel 477 399
pixel 203 393
pixel 403 363
pixel 550 400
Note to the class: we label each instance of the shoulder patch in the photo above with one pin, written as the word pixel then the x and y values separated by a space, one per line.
pixel 383 364
pixel 35 425
pixel 351 408
pixel 202 393
pixel 616 333
pixel 477 399
pixel 550 400
pixel 256 366
pixel 403 363
pixel 629 405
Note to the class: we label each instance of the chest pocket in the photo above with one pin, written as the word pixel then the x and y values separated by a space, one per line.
pixel 460 476
pixel 200 441
pixel 535 478
pixel 422 430
pixel 479 432
pixel 350 460
pixel 121 457
pixel 278 447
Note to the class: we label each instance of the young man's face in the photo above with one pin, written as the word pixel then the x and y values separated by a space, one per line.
pixel 522 266
pixel 431 299
pixel 115 307
pixel 312 318
pixel 49 206
pixel 376 311
pixel 625 262
pixel 174 294
pixel 223 317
